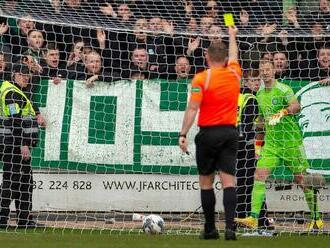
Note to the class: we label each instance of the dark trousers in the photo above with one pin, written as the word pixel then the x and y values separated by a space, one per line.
pixel 17 184
pixel 246 165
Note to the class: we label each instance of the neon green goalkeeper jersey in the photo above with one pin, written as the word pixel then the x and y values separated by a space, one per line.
pixel 287 132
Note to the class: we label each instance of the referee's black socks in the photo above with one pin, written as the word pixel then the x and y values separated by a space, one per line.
pixel 229 204
pixel 208 205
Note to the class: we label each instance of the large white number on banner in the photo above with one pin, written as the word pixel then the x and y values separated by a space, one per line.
pixel 121 152
pixel 154 120
pixel 54 113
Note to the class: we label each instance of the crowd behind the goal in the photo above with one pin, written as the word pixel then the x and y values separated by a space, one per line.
pixel 297 44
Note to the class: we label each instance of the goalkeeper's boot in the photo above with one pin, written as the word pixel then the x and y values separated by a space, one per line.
pixel 248 222
pixel 214 234
pixel 315 226
pixel 230 234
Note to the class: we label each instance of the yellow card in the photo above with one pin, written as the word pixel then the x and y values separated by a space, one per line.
pixel 229 19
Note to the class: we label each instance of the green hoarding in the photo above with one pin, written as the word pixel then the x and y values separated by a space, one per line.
pixel 131 126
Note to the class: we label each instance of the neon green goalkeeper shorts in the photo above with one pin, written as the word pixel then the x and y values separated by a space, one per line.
pixel 294 158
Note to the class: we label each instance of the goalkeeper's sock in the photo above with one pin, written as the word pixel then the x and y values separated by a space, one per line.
pixel 309 197
pixel 258 197
pixel 229 204
pixel 208 205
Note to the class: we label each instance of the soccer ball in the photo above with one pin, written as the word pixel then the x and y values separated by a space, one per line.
pixel 153 224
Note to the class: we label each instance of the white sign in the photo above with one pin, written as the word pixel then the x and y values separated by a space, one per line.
pixel 124 192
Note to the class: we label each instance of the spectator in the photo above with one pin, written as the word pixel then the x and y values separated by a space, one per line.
pixel 182 68
pixel 196 46
pixel 35 41
pixel 214 34
pixel 52 68
pixel 108 10
pixel 290 16
pixel 311 44
pixel 75 64
pixel 318 70
pixel 205 23
pixel 32 56
pixel 212 9
pixel 263 11
pixel 267 56
pixel 281 65
pixel 95 71
pixel 188 8
pixel 155 44
pixel 124 13
pixel 16 39
pixel 244 20
pixel 140 66
pixel 192 25
pixel 324 13
pixel 155 25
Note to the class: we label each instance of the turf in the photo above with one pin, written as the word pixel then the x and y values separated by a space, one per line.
pixel 59 239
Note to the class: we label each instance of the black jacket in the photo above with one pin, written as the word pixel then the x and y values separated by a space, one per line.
pixel 17 123
pixel 249 114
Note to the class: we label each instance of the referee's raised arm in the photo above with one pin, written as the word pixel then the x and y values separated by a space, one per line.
pixel 214 92
pixel 233 48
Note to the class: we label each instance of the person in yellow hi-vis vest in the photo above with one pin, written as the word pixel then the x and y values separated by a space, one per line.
pixel 18 134
pixel 249 148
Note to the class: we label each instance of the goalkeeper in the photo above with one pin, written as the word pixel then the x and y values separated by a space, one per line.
pixel 283 141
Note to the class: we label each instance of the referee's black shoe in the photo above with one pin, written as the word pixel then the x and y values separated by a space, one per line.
pixel 214 234
pixel 230 235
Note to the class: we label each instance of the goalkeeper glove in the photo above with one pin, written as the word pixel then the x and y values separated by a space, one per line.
pixel 258 144
pixel 275 119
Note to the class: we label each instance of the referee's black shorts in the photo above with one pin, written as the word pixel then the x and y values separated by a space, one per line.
pixel 216 149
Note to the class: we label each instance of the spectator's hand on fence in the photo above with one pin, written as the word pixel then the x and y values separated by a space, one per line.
pixel 275 119
pixel 101 38
pixel 244 17
pixel 3 28
pixel 56 80
pixel 108 10
pixel 25 152
pixel 325 81
pixel 154 68
pixel 41 120
pixel 90 81
pixel 192 45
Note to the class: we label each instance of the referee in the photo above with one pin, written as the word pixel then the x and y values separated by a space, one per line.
pixel 215 94
pixel 18 133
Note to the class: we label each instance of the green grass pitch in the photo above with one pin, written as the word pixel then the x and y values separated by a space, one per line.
pixel 75 238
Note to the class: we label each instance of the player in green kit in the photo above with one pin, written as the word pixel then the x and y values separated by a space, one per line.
pixel 283 142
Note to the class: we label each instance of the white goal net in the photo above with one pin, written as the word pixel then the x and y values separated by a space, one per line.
pixel 110 80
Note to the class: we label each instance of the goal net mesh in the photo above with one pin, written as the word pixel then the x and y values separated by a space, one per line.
pixel 111 80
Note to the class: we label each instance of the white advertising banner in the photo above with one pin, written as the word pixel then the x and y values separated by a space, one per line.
pixel 133 192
